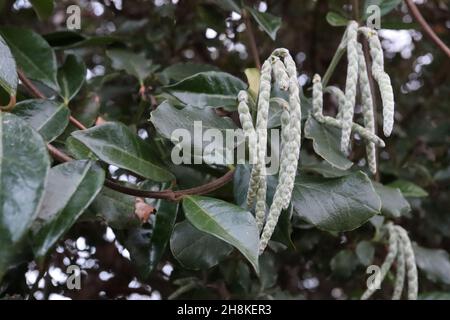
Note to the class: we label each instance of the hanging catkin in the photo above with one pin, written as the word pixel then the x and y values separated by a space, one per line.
pixel 367 135
pixel 295 126
pixel 280 74
pixel 261 131
pixel 350 84
pixel 382 78
pixel 392 253
pixel 401 269
pixel 291 138
pixel 367 108
pixel 317 101
pixel 247 125
pixel 340 96
pixel 410 261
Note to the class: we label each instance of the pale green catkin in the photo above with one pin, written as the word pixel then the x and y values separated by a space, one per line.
pixel 410 262
pixel 340 96
pixel 280 74
pixel 367 108
pixel 291 131
pixel 247 125
pixel 390 257
pixel 317 114
pixel 317 101
pixel 350 85
pixel 261 131
pixel 382 78
pixel 295 127
pixel 401 269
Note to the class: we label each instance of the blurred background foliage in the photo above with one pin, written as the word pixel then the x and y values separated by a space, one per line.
pixel 130 49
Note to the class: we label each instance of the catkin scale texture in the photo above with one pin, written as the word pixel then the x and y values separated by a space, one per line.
pixel 382 78
pixel 350 84
pixel 367 108
pixel 258 184
pixel 291 140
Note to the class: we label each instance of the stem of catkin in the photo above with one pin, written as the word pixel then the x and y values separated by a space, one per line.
pixel 350 85
pixel 367 108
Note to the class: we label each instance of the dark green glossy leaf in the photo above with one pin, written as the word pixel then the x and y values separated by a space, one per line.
pixel 225 221
pixel 180 71
pixel 86 109
pixel 71 187
pixel 78 150
pixel 137 242
pixel 71 77
pixel 24 164
pixel 268 22
pixel 435 263
pixel 324 169
pixel 344 263
pixel 72 40
pixel 241 179
pixel 365 252
pixel 195 249
pixel 409 189
pixel 43 8
pixel 211 88
pixel 47 117
pixel 169 121
pixel 33 55
pixel 166 215
pixel 336 20
pixel 8 72
pixel 393 204
pixel 326 143
pixel 337 204
pixel 117 209
pixel 134 64
pixel 114 143
pixel 229 5
pixel 434 296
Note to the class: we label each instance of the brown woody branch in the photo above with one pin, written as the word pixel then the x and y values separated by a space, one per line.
pixel 426 27
pixel 164 194
pixel 251 38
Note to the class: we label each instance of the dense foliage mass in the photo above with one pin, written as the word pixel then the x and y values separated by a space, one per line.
pixel 88 178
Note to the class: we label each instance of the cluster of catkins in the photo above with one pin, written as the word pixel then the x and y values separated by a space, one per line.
pixel 400 248
pixel 357 70
pixel 281 68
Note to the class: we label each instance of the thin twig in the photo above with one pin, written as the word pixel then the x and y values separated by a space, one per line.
pixel 164 194
pixel 38 94
pixel 251 38
pixel 426 27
